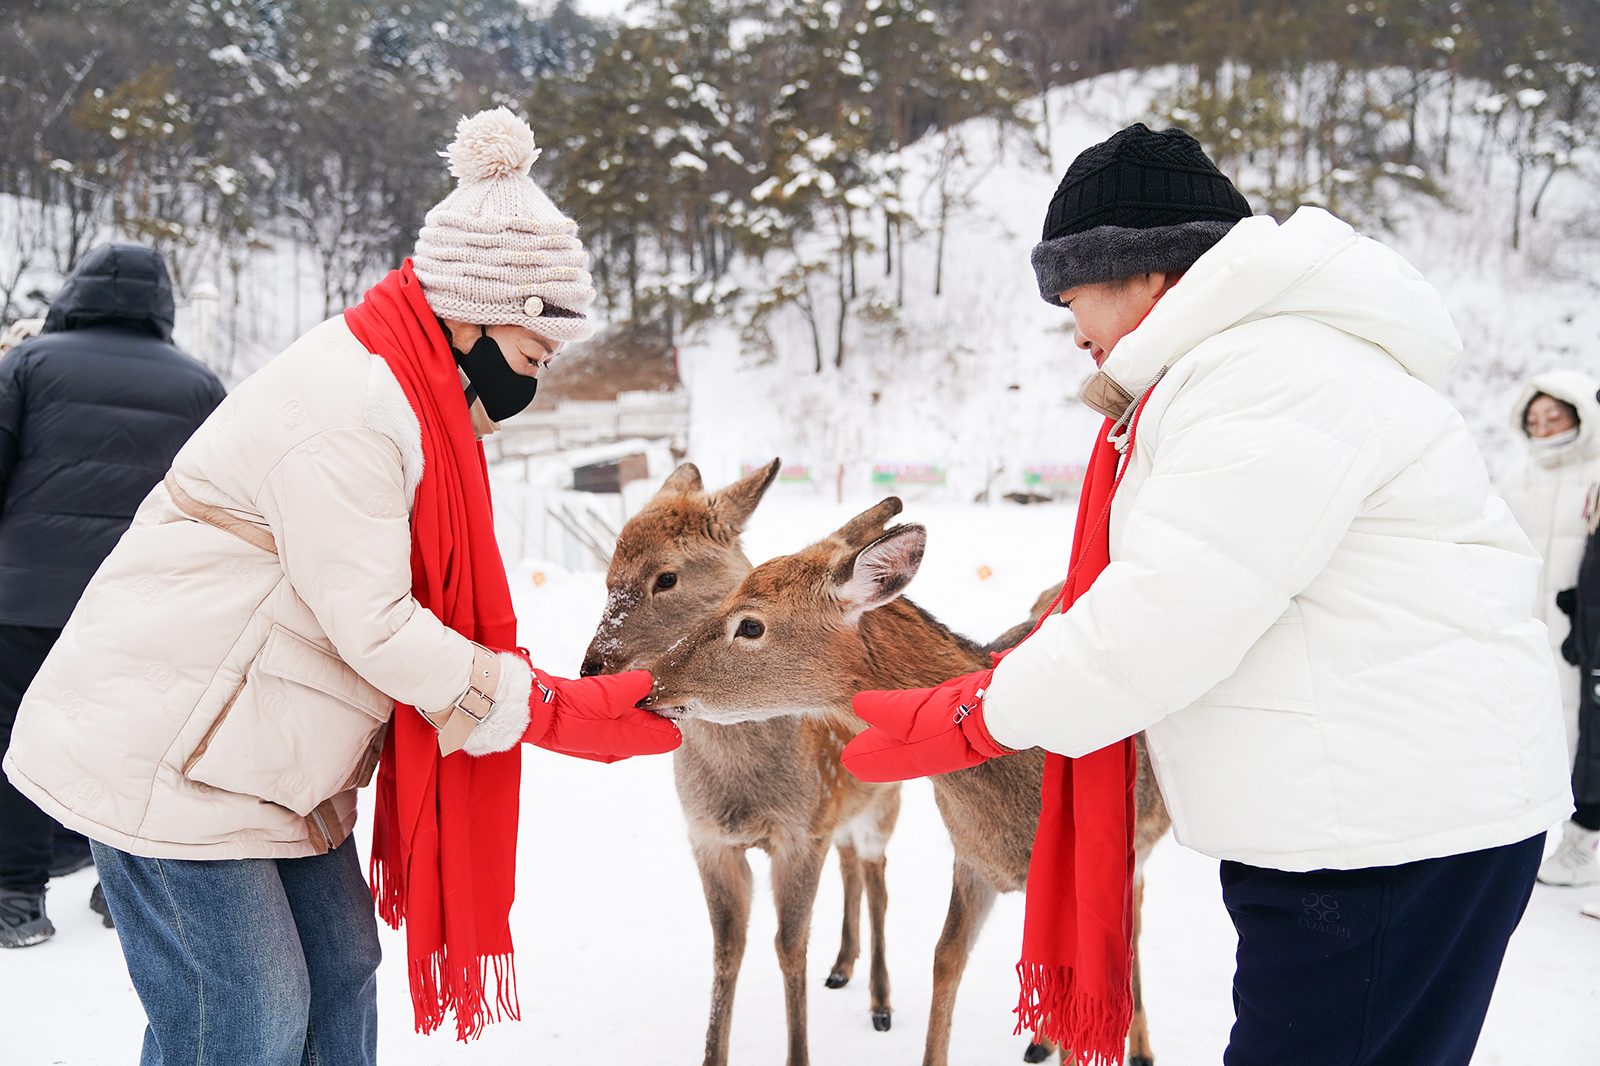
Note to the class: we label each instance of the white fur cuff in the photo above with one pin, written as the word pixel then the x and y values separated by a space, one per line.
pixel 504 726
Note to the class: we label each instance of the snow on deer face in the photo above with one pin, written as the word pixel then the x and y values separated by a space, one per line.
pixel 674 562
pixel 788 640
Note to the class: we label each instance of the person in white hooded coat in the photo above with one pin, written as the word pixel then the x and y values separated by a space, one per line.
pixel 1315 609
pixel 1558 414
pixel 1547 494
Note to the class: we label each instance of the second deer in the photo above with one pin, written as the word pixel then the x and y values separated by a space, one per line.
pixel 775 784
pixel 803 634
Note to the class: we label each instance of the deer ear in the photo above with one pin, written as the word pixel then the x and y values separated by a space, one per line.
pixel 682 481
pixel 1046 598
pixel 867 526
pixel 734 505
pixel 881 571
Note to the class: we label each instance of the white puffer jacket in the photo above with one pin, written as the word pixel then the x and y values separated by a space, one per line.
pixel 1315 609
pixel 224 683
pixel 1547 494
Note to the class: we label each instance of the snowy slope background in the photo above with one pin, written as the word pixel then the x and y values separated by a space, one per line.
pixel 984 376
pixel 613 942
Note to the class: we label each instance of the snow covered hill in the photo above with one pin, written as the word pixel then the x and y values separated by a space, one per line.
pixel 980 379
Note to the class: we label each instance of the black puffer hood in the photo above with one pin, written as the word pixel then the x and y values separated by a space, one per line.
pixel 115 284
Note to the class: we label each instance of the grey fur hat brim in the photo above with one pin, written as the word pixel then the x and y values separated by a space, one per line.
pixel 1111 253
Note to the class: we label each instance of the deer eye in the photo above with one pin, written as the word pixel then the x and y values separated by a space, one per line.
pixel 751 629
pixel 666 581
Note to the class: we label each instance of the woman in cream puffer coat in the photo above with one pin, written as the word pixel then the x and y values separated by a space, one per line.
pixel 268 552
pixel 322 550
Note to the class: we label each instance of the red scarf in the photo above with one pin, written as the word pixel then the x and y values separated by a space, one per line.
pixel 1077 933
pixel 444 836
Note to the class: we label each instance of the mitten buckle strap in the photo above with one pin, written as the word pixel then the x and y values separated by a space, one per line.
pixel 964 709
pixel 472 706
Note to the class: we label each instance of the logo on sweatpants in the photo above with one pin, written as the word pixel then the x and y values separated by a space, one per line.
pixel 1321 914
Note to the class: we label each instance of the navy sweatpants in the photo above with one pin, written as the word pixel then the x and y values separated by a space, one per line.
pixel 1386 966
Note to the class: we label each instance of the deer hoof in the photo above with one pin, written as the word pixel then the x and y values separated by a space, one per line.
pixel 1038 1053
pixel 837 979
pixel 880 1020
pixel 1141 1060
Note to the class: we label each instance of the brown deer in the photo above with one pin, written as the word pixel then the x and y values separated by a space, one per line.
pixel 805 632
pixel 775 784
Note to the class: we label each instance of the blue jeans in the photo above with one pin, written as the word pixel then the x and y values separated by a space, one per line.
pixel 249 962
pixel 1384 966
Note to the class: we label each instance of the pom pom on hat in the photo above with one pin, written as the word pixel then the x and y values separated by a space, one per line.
pixel 496 251
pixel 491 144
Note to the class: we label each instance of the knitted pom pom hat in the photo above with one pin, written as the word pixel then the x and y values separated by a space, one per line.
pixel 1136 203
pixel 496 251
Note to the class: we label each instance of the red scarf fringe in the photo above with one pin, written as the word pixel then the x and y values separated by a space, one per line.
pixel 437 986
pixel 1095 1030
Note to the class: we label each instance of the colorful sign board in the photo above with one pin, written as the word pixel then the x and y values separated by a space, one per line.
pixel 1054 477
pixel 889 474
pixel 793 473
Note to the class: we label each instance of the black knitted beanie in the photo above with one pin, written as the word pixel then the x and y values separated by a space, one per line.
pixel 1138 202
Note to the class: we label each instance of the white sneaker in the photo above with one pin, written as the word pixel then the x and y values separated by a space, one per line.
pixel 1575 861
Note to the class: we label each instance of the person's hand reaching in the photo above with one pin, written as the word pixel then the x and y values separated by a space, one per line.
pixel 595 717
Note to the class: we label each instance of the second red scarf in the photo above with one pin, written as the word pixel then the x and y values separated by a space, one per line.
pixel 1077 936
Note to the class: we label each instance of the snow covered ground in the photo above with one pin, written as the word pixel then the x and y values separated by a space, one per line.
pixel 613 945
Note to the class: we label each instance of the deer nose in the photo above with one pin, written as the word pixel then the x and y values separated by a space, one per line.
pixel 591 667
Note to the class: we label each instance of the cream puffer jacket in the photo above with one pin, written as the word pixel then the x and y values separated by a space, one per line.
pixel 1315 608
pixel 225 682
pixel 1548 494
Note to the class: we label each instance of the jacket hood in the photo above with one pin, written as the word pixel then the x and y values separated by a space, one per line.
pixel 1570 386
pixel 123 284
pixel 1314 266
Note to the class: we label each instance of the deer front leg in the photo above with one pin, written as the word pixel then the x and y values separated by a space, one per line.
pixel 878 906
pixel 971 898
pixel 1139 1053
pixel 844 966
pixel 796 869
pixel 725 877
pixel 1151 824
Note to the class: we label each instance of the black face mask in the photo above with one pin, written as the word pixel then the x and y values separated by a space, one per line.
pixel 504 392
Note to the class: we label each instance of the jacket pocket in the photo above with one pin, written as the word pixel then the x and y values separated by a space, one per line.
pixel 1274 675
pixel 301 727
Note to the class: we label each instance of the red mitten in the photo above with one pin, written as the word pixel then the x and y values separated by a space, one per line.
pixel 921 731
pixel 595 717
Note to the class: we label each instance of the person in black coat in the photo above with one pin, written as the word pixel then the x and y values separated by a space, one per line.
pixel 1575 861
pixel 92 412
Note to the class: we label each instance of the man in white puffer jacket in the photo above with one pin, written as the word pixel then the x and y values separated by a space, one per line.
pixel 1315 609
